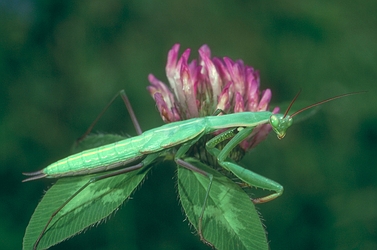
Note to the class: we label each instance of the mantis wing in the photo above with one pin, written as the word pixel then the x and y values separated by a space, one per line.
pixel 230 220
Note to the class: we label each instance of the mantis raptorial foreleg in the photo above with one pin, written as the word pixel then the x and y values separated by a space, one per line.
pixel 130 110
pixel 243 174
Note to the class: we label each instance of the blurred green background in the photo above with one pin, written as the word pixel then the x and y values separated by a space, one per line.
pixel 62 61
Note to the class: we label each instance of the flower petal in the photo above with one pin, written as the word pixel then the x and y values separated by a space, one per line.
pixel 171 64
pixel 188 90
pixel 239 103
pixel 168 114
pixel 265 100
pixel 223 102
pixel 210 69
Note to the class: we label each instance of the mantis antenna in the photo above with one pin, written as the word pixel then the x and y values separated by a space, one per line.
pixel 318 103
pixel 280 123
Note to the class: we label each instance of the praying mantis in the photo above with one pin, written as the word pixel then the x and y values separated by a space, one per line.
pixel 130 159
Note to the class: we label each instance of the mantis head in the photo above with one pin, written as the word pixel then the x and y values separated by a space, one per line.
pixel 280 123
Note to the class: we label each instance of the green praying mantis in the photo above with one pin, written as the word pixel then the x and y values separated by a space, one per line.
pixel 128 160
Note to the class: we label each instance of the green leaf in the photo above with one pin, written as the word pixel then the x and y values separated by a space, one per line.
pixel 230 220
pixel 93 204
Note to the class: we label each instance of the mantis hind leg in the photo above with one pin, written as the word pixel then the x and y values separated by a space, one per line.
pixel 178 159
pixel 130 110
pixel 247 176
